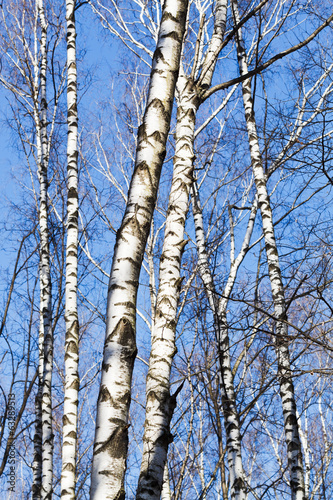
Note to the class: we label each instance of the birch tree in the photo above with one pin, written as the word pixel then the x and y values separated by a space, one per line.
pixel 204 96
pixel 71 394
pixel 295 459
pixel 27 52
pixel 219 308
pixel 36 83
pixel 158 415
pixel 46 335
pixel 160 404
pixel 111 439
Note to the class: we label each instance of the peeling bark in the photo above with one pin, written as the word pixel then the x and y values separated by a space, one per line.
pixel 111 439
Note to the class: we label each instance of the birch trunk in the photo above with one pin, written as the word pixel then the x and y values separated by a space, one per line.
pixel 210 60
pixel 306 451
pixel 219 309
pixel 45 334
pixel 37 465
pixel 294 451
pixel 111 439
pixel 38 437
pixel 166 491
pixel 160 404
pixel 71 395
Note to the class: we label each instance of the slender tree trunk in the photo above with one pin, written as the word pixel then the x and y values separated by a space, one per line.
pixel 166 491
pixel 219 308
pixel 37 465
pixel 111 439
pixel 306 453
pixel 71 396
pixel 160 405
pixel 38 437
pixel 294 450
pixel 230 412
pixel 210 60
pixel 44 433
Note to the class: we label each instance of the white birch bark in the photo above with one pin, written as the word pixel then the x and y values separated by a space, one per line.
pixel 159 403
pixel 210 60
pixel 219 309
pixel 71 393
pixel 38 437
pixel 46 334
pixel 166 491
pixel 111 439
pixel 306 452
pixel 294 450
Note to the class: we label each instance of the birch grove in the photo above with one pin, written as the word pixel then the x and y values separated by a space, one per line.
pixel 166 329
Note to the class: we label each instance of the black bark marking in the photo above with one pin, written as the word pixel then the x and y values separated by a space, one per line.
pixel 116 445
pixel 104 394
pixel 123 334
pixel 172 34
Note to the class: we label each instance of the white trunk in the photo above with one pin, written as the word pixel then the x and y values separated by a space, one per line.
pixel 306 453
pixel 38 437
pixel 166 492
pixel 219 307
pixel 210 60
pixel 111 439
pixel 294 451
pixel 46 334
pixel 71 395
pixel 160 405
pixel 201 453
pixel 230 412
